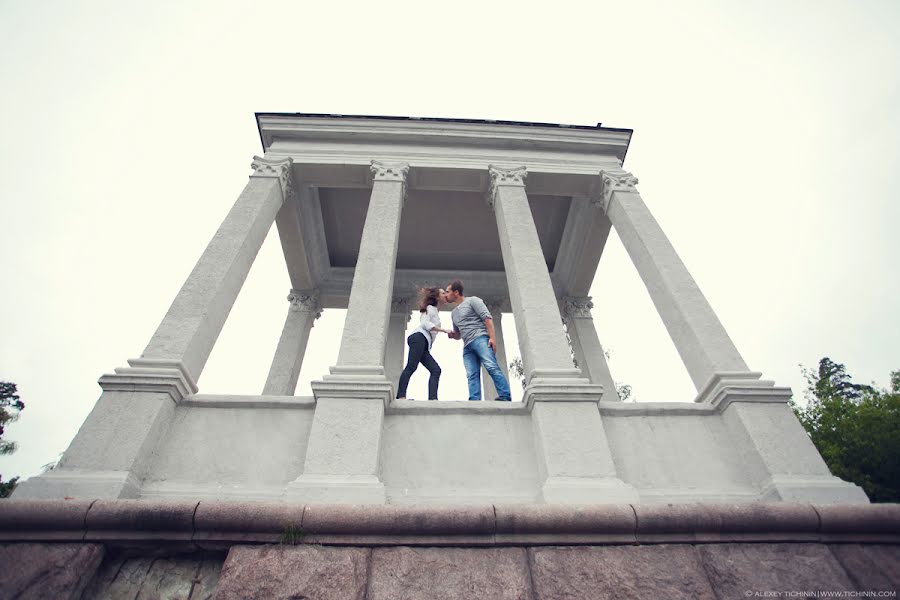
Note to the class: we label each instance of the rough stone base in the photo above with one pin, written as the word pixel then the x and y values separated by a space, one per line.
pixel 450 573
pixel 139 549
pixel 188 577
pixel 39 571
pixel 672 571
pixel 292 572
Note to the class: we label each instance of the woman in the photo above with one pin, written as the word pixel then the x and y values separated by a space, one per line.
pixel 420 341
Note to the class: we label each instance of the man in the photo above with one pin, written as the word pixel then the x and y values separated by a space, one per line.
pixel 472 323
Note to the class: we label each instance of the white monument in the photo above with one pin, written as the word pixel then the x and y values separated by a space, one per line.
pixel 534 204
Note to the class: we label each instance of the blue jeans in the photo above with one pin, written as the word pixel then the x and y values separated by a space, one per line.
pixel 478 353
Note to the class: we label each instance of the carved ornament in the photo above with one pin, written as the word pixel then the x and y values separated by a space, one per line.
pixel 401 305
pixel 614 180
pixel 577 307
pixel 275 167
pixel 384 171
pixel 305 301
pixel 496 306
pixel 499 177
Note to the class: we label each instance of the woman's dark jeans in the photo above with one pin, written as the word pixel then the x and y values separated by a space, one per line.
pixel 418 353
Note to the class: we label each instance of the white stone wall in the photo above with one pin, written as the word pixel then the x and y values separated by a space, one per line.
pixel 684 457
pixel 466 458
pixel 231 447
pixel 218 451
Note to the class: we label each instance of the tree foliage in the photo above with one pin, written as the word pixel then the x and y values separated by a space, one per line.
pixel 855 427
pixel 10 407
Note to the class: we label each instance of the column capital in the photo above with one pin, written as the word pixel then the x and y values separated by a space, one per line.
pixel 613 180
pixel 305 301
pixel 577 307
pixel 402 305
pixel 497 305
pixel 279 168
pixel 514 176
pixel 387 171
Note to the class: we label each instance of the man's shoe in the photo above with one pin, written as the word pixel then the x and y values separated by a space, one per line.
pixel 498 399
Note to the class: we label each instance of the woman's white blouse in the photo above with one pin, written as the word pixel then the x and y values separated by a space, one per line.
pixel 428 320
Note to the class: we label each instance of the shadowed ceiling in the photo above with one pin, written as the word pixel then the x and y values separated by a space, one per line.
pixel 445 230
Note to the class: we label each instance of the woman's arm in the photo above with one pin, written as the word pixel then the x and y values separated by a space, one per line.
pixel 431 320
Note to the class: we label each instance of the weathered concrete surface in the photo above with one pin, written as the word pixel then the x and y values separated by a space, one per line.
pixel 870 567
pixel 41 571
pixel 294 572
pixel 595 573
pixel 189 577
pixel 449 573
pixel 735 569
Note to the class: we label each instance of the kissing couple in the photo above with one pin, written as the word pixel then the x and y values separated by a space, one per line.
pixel 472 323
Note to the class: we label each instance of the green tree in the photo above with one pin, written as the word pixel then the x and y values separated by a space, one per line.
pixel 855 427
pixel 10 407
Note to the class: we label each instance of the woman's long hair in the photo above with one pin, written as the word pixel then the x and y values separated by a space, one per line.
pixel 428 297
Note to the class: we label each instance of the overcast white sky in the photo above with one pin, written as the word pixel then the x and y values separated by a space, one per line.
pixel 766 140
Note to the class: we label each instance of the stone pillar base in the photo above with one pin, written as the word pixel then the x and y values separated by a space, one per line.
pixel 360 387
pixel 575 461
pixel 561 389
pixel 726 387
pixel 335 489
pixel 112 451
pixel 342 455
pixel 815 490
pixel 80 483
pixel 581 490
pixel 777 452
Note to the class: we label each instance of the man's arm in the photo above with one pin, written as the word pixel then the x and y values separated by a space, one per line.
pixel 489 324
pixel 453 335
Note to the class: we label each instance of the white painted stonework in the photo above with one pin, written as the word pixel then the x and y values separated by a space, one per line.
pixel 535 204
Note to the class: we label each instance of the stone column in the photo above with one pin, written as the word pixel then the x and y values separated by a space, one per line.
pixel 704 346
pixel 777 453
pixel 365 329
pixel 574 458
pixel 189 330
pixel 588 352
pixel 395 346
pixel 113 450
pixel 488 390
pixel 545 352
pixel 342 456
pixel 285 369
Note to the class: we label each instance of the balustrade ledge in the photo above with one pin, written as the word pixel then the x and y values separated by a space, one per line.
pixel 205 524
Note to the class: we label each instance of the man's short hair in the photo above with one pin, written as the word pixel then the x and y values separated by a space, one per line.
pixel 457 286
